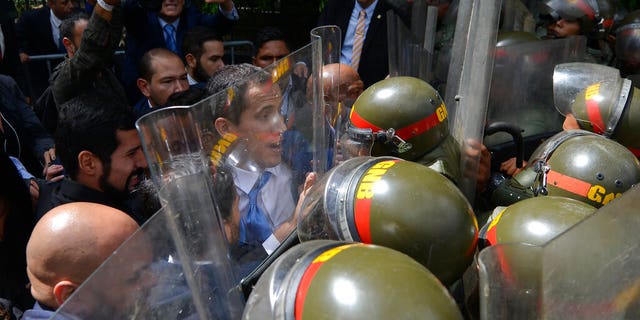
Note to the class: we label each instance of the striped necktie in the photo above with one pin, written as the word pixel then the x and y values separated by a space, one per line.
pixel 358 40
pixel 254 227
pixel 170 37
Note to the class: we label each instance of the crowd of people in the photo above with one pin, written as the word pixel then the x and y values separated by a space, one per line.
pixel 79 177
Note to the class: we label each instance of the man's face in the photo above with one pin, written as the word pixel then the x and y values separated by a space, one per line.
pixel 563 28
pixel 365 3
pixel 171 10
pixel 210 61
pixel 169 77
pixel 61 8
pixel 270 52
pixel 261 124
pixel 127 165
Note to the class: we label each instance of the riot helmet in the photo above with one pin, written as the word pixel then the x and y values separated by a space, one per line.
pixel 534 221
pixel 338 280
pixel 394 203
pixel 400 116
pixel 600 101
pixel 584 166
pixel 595 16
pixel 628 44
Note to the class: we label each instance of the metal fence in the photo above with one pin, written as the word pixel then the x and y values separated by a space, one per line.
pixel 235 51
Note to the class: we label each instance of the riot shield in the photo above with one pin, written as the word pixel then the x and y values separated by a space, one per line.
pixel 593 269
pixel 240 131
pixel 411 50
pixel 516 17
pixel 156 275
pixel 589 271
pixel 469 78
pixel 594 94
pixel 521 86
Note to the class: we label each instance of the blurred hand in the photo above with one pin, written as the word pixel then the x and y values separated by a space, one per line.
pixel 476 151
pixel 24 58
pixel 509 167
pixel 53 173
pixel 49 156
pixel 301 70
pixel 34 191
pixel 286 228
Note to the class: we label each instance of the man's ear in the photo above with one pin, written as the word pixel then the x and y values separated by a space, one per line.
pixel 143 85
pixel 87 163
pixel 69 46
pixel 191 60
pixel 223 126
pixel 62 290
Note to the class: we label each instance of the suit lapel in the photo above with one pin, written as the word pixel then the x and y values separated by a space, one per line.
pixel 376 24
pixel 345 15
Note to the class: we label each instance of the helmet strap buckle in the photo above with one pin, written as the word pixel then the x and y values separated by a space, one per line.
pixel 540 184
pixel 390 136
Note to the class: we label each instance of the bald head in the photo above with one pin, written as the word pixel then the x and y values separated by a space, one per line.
pixel 68 244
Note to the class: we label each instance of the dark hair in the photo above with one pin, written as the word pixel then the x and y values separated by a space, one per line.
pixel 186 98
pixel 224 190
pixel 267 34
pixel 68 25
pixel 145 67
pixel 238 77
pixel 90 122
pixel 195 38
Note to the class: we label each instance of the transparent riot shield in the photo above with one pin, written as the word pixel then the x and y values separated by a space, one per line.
pixel 516 17
pixel 509 277
pixel 594 94
pixel 468 81
pixel 522 87
pixel 152 276
pixel 240 132
pixel 411 49
pixel 590 271
pixel 593 269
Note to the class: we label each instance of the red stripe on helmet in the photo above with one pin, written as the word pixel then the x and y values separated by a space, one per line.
pixel 362 217
pixel 595 117
pixel 360 122
pixel 586 9
pixel 568 183
pixel 405 133
pixel 304 285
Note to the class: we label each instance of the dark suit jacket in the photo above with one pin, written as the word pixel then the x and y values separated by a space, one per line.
pixel 145 33
pixel 374 64
pixel 34 36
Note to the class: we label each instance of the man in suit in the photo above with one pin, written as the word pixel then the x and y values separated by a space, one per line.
pixel 38 33
pixel 165 27
pixel 373 59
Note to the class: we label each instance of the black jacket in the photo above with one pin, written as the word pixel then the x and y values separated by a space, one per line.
pixel 374 65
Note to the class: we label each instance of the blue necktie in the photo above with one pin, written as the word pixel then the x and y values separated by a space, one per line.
pixel 170 37
pixel 254 226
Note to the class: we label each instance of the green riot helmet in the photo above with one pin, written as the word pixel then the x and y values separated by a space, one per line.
pixel 628 44
pixel 595 16
pixel 397 204
pixel 584 166
pixel 600 101
pixel 326 279
pixel 534 221
pixel 401 116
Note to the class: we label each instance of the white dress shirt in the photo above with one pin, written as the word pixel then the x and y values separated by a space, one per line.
pixel 275 198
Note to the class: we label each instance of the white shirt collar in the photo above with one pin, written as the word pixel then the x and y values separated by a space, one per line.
pixel 245 180
pixel 191 80
pixel 55 27
pixel 164 23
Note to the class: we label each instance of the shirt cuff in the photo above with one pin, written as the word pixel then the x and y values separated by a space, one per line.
pixel 231 15
pixel 270 244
